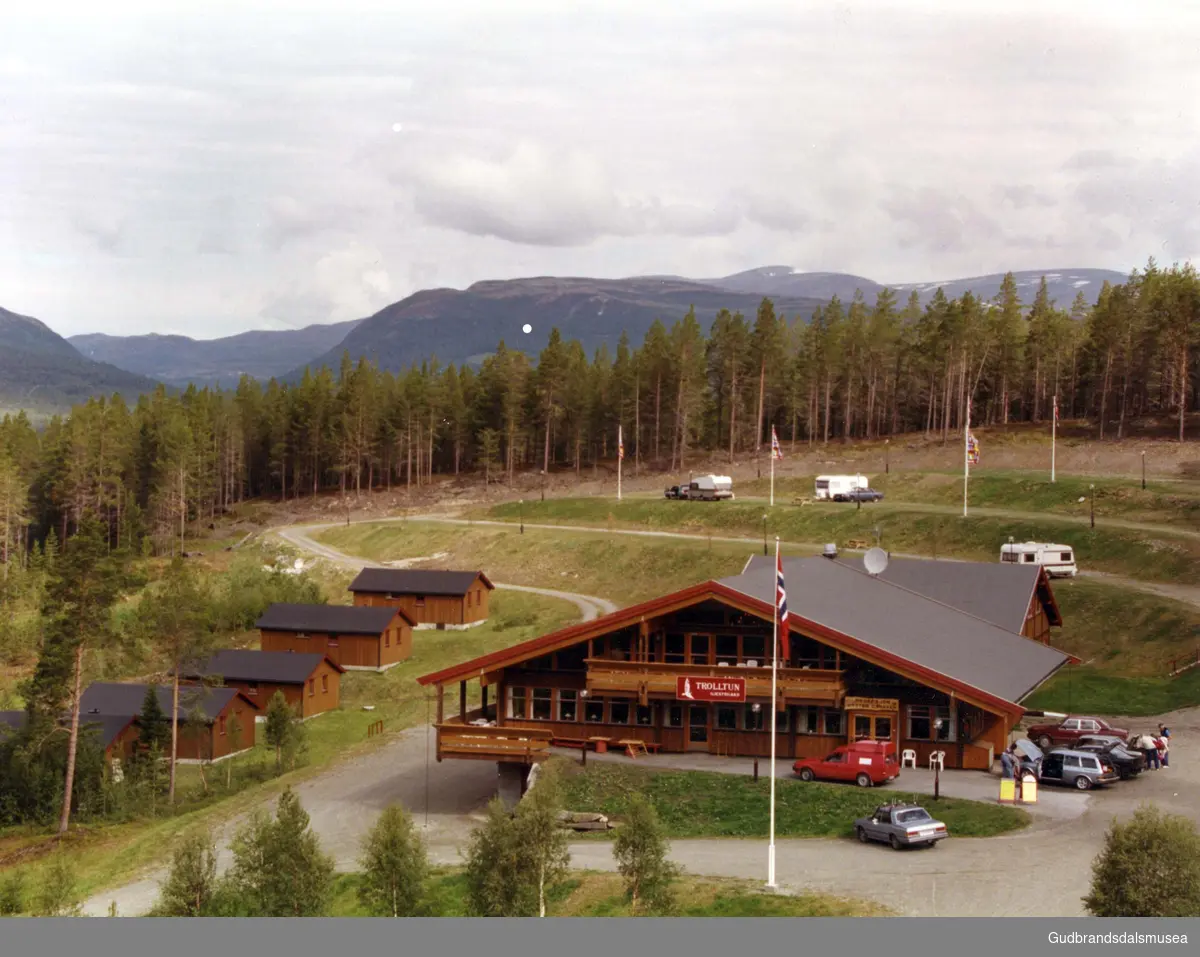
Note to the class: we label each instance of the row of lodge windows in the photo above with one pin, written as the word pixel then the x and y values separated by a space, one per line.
pixel 680 648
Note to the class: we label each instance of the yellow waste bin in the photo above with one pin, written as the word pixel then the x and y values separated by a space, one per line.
pixel 1029 787
pixel 1008 790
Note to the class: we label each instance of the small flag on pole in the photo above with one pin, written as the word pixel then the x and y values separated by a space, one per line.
pixel 776 451
pixel 620 444
pixel 1056 410
pixel 781 608
pixel 972 448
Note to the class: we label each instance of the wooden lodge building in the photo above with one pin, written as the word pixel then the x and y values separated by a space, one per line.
pixel 433 598
pixel 355 638
pixel 104 701
pixel 310 683
pixel 870 658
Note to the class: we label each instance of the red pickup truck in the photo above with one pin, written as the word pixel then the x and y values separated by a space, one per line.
pixel 866 763
pixel 1070 730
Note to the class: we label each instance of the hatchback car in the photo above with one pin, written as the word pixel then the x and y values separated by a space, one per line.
pixel 901 825
pixel 863 495
pixel 1078 769
pixel 1128 762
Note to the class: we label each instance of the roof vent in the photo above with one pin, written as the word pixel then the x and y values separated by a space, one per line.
pixel 830 550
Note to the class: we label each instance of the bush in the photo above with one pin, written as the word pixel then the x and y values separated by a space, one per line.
pixel 394 866
pixel 249 590
pixel 640 849
pixel 57 897
pixel 1150 867
pixel 191 883
pixel 12 894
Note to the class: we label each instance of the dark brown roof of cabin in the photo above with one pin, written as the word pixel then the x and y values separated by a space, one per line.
pixel 329 619
pixel 416 581
pixel 112 698
pixel 106 726
pixel 273 667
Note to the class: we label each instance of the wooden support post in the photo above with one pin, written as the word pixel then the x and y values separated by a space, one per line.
pixel 462 701
pixel 440 703
pixel 483 699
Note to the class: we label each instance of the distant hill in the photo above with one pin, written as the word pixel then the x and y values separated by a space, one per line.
pixel 42 372
pixel 465 325
pixel 178 360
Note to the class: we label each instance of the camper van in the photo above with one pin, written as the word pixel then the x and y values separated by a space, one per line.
pixel 710 488
pixel 837 488
pixel 1058 560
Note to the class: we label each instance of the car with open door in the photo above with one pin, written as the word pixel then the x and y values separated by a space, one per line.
pixel 1128 762
pixel 1081 770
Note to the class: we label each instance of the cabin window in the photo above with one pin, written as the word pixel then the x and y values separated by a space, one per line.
pixel 302 636
pixel 312 687
pixel 676 649
pixel 333 642
pixel 921 719
pixel 221 721
pixel 833 723
pixel 619 711
pixel 727 717
pixel 251 688
pixel 387 638
pixel 516 702
pixel 567 701
pixel 699 649
pixel 324 684
pixel 727 649
pixel 593 711
pixel 645 715
pixel 542 703
pixel 675 716
pixel 753 719
pixel 420 601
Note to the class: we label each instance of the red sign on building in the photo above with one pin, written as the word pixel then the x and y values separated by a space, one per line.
pixel 689 688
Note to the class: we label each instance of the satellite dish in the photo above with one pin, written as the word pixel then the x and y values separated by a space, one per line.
pixel 875 561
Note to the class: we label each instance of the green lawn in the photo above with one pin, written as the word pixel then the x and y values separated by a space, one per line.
pixel 703 804
pixel 1136 554
pixel 590 894
pixel 1089 691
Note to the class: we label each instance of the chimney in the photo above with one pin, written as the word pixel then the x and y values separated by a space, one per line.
pixel 830 550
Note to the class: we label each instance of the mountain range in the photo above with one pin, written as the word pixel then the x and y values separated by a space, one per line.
pixel 39 368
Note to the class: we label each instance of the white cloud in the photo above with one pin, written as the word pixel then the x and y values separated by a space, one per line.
pixel 346 283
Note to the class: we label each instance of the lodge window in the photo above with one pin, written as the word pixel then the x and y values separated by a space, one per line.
pixel 312 687
pixel 544 663
pixel 921 719
pixel 572 659
pixel 542 703
pixel 619 711
pixel 727 649
pixel 754 719
pixel 567 701
pixel 222 723
pixel 676 653
pixel 324 684
pixel 645 715
pixel 727 718
pixel 593 711
pixel 516 703
pixel 618 646
pixel 674 716
pixel 754 648
pixel 699 649
pixel 833 722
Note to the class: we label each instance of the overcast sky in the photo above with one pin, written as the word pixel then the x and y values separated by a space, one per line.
pixel 211 172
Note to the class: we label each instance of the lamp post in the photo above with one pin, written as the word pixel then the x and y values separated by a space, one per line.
pixel 757 709
pixel 764 533
pixel 521 510
pixel 1092 504
pixel 937 765
pixel 1143 470
pixel 887 444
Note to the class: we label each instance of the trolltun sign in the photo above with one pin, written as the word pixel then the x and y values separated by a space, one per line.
pixel 689 688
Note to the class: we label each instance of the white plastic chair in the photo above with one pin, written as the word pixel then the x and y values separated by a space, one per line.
pixel 908 758
pixel 938 758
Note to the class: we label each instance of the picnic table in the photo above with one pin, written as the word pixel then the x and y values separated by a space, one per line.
pixel 635 747
pixel 600 743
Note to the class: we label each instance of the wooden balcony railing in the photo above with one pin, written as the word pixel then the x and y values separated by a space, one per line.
pixel 490 743
pixel 605 676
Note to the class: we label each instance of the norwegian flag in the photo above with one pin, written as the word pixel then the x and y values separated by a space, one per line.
pixel 781 609
pixel 1056 410
pixel 620 444
pixel 776 451
pixel 972 449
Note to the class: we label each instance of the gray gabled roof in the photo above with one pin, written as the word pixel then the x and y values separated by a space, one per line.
pixel 112 698
pixel 416 581
pixel 106 726
pixel 994 591
pixel 329 619
pixel 906 625
pixel 274 667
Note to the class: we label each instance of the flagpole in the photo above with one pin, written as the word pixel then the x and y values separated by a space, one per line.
pixel 774 712
pixel 772 478
pixel 1053 438
pixel 966 455
pixel 620 459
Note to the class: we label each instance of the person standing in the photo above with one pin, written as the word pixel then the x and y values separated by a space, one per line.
pixel 1006 763
pixel 1165 734
pixel 1149 751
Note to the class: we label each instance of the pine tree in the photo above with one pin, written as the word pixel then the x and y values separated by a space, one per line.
pixel 191 882
pixel 283 730
pixel 394 866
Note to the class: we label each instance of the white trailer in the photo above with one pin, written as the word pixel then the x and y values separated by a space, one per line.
pixel 1058 560
pixel 710 488
pixel 835 488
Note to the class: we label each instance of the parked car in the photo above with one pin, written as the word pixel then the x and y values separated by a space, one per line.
pixel 1070 730
pixel 1030 756
pixel 866 763
pixel 1129 762
pixel 677 491
pixel 863 495
pixel 1082 770
pixel 901 825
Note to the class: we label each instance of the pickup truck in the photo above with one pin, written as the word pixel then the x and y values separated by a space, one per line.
pixel 1067 733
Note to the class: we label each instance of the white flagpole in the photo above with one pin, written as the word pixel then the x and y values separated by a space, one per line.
pixel 774 711
pixel 772 476
pixel 966 455
pixel 620 459
pixel 1053 438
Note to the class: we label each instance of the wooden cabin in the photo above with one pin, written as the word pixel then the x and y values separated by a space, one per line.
pixel 207 739
pixel 865 658
pixel 354 638
pixel 310 683
pixel 433 598
pixel 115 734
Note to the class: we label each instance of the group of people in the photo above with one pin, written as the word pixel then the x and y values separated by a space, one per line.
pixel 1156 748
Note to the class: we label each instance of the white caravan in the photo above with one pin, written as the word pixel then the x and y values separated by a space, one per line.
pixel 836 487
pixel 1058 560
pixel 710 488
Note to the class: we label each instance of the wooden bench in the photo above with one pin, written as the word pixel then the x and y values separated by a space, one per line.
pixel 802 501
pixel 856 543
pixel 636 748
pixel 575 743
